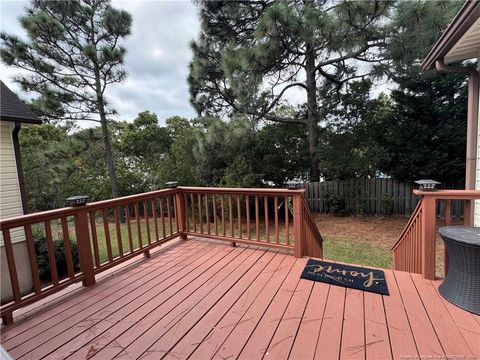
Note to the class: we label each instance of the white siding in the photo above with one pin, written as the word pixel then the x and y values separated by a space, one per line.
pixel 10 198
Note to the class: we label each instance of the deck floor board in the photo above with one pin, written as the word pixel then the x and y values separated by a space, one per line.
pixel 202 299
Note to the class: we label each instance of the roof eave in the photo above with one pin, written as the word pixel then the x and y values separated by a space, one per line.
pixel 465 18
pixel 21 120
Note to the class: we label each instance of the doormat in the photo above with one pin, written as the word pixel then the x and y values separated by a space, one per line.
pixel 355 277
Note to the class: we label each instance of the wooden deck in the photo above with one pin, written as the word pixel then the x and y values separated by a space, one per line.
pixel 201 299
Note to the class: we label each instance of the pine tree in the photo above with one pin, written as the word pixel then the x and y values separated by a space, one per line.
pixel 72 55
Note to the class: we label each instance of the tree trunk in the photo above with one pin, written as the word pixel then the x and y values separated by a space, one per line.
pixel 312 113
pixel 112 174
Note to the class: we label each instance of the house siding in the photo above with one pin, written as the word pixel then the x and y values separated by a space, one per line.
pixel 476 220
pixel 11 205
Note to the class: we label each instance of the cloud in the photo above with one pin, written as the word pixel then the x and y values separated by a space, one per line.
pixel 158 54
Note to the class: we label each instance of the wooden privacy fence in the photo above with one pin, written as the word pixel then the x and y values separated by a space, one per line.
pixel 371 197
pixel 107 233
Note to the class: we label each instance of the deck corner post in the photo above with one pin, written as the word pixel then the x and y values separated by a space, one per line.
pixel 297 225
pixel 428 237
pixel 84 251
pixel 180 203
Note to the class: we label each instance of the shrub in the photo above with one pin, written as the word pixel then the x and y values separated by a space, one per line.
pixel 336 204
pixel 387 204
pixel 41 250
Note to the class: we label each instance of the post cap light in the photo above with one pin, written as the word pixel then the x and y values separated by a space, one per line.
pixel 291 185
pixel 171 184
pixel 427 184
pixel 79 200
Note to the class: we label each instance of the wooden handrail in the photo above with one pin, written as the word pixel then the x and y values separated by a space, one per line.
pixel 150 219
pixel 414 251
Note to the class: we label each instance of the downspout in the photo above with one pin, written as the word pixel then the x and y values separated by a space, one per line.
pixel 18 161
pixel 472 118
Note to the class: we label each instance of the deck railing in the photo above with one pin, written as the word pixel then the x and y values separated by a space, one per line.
pixel 415 250
pixel 132 225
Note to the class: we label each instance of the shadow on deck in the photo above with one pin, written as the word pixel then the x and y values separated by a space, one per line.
pixel 202 299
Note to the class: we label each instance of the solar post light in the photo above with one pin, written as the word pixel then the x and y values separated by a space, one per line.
pixel 427 184
pixel 79 200
pixel 171 184
pixel 291 185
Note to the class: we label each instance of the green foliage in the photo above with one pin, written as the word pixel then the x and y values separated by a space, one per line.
pixel 41 250
pixel 424 133
pixel 72 54
pixel 386 203
pixel 336 204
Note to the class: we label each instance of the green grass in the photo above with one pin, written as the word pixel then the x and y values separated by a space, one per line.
pixel 356 252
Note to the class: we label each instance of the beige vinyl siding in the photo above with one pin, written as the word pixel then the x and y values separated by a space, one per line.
pixel 10 198
pixel 476 220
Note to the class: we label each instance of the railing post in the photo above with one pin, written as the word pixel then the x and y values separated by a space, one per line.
pixel 428 237
pixel 297 224
pixel 84 250
pixel 181 213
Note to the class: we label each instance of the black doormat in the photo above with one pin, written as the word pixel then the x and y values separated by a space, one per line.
pixel 355 277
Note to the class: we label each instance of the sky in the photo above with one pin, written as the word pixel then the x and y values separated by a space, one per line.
pixel 158 54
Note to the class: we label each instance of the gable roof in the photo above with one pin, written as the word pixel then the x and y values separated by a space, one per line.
pixel 13 109
pixel 463 21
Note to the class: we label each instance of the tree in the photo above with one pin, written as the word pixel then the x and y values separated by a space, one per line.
pixel 72 55
pixel 424 134
pixel 251 55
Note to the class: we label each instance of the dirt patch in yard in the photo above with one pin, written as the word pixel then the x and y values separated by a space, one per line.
pixel 373 230
pixel 373 234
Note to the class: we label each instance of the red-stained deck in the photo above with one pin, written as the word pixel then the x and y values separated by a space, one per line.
pixel 200 299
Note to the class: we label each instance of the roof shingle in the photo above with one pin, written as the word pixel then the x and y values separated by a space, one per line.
pixel 13 109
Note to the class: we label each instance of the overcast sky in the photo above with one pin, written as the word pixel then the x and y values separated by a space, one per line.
pixel 158 54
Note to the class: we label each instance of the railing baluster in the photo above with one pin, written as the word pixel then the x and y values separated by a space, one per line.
pixel 129 228
pixel 33 259
pixel 239 217
pixel 257 219
pixel 230 212
pixel 51 253
pixel 215 223
pixel 162 216
pixel 169 214
pixel 153 204
pixel 118 230
pixel 267 228
pixel 277 235
pixel 200 213
pixel 66 246
pixel 194 222
pixel 287 235
pixel 11 265
pixel 138 224
pixel 247 210
pixel 207 214
pixel 93 229
pixel 222 205
pixel 176 213
pixel 147 223
pixel 106 229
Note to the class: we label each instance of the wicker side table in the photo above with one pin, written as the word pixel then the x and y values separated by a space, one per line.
pixel 461 286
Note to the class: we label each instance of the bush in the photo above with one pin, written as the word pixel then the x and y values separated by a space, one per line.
pixel 387 204
pixel 41 250
pixel 336 204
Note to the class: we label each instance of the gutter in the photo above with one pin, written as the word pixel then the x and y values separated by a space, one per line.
pixel 472 118
pixel 464 19
pixel 18 161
